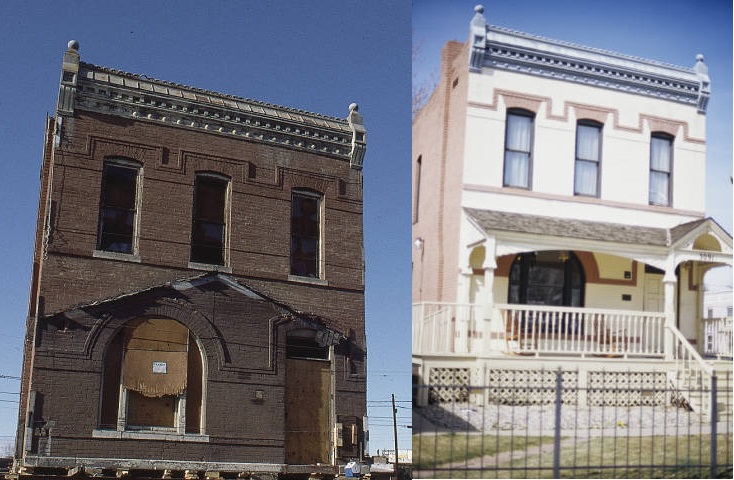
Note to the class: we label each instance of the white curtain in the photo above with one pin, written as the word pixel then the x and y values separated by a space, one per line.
pixel 659 170
pixel 517 150
pixel 587 158
pixel 585 181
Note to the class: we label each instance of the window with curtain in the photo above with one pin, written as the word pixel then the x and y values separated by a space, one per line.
pixel 518 149
pixel 661 152
pixel 588 159
pixel 208 225
pixel 305 234
pixel 118 206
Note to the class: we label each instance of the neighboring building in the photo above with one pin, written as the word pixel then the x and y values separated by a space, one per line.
pixel 558 216
pixel 197 297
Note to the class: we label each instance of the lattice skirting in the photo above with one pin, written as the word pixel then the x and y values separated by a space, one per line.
pixel 627 388
pixel 449 385
pixel 531 387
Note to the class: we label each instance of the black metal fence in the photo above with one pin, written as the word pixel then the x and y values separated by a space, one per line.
pixel 547 424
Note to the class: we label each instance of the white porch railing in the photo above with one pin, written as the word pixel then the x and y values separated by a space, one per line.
pixel 535 329
pixel 446 328
pixel 692 373
pixel 464 329
pixel 717 337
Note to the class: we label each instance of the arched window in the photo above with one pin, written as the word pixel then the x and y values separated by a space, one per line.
pixel 153 378
pixel 547 278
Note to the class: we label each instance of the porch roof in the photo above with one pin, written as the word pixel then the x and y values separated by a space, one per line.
pixel 492 220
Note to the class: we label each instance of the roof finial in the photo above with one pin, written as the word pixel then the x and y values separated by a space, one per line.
pixel 704 83
pixel 477 39
pixel 73 45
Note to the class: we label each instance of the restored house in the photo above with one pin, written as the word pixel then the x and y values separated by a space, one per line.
pixel 197 296
pixel 558 218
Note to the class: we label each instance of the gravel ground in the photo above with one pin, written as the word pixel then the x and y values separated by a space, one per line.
pixel 541 418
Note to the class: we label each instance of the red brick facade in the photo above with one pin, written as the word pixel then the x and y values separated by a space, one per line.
pixel 239 313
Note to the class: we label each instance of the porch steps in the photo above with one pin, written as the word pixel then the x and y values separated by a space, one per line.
pixel 724 384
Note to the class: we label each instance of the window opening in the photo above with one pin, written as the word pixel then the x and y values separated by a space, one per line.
pixel 117 208
pixel 305 234
pixel 518 149
pixel 588 156
pixel 208 226
pixel 661 152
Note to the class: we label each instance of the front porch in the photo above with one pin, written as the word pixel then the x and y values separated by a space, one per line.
pixel 460 344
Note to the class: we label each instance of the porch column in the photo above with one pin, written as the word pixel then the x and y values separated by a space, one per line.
pixel 489 322
pixel 669 284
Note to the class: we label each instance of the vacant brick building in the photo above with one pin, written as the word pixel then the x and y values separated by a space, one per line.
pixel 197 297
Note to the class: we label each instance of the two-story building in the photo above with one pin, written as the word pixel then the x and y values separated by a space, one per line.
pixel 197 296
pixel 558 215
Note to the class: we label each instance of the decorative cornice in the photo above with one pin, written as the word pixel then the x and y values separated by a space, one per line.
pixel 511 50
pixel 89 87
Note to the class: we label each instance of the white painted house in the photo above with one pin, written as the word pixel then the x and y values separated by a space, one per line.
pixel 558 214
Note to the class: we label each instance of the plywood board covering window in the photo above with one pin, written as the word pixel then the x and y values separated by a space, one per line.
pixel 155 358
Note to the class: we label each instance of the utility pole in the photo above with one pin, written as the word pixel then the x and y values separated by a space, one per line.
pixel 395 432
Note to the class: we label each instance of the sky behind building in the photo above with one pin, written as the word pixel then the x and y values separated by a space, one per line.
pixel 669 31
pixel 318 57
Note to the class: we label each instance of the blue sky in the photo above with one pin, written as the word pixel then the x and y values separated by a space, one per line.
pixel 315 56
pixel 670 31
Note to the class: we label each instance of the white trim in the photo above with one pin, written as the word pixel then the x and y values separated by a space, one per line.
pixel 123 257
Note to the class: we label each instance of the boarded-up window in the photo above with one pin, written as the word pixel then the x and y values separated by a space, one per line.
pixel 156 361
pixel 156 354
pixel 208 228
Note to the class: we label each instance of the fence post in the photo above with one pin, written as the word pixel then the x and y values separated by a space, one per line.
pixel 557 429
pixel 714 414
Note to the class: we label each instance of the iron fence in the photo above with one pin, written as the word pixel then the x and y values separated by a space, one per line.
pixel 548 424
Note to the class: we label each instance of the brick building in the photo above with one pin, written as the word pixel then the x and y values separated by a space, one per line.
pixel 197 296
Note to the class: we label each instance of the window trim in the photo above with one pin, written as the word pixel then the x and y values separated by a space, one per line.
pixel 529 180
pixel 319 197
pixel 671 140
pixel 600 128
pixel 133 255
pixel 226 225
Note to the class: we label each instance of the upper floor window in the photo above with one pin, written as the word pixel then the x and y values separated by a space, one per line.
pixel 661 162
pixel 588 159
pixel 208 229
pixel 305 234
pixel 518 149
pixel 118 207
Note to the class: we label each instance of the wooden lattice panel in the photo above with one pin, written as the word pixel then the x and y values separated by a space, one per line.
pixel 531 387
pixel 449 385
pixel 627 388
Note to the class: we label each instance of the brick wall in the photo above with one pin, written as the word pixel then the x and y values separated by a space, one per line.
pixel 66 362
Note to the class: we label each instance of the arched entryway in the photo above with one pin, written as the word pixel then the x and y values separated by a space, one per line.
pixel 153 378
pixel 547 278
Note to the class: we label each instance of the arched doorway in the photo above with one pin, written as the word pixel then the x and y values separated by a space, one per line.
pixel 547 278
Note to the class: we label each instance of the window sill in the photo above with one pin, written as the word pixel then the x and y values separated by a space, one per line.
pixel 311 280
pixel 150 435
pixel 124 257
pixel 208 267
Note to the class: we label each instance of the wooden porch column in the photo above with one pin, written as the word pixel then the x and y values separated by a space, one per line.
pixel 489 323
pixel 669 283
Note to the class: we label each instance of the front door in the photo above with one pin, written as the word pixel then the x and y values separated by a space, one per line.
pixel 307 411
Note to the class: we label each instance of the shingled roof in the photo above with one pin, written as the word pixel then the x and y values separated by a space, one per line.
pixel 491 220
